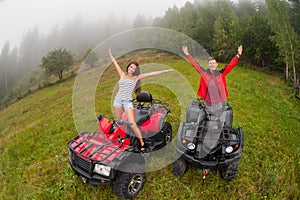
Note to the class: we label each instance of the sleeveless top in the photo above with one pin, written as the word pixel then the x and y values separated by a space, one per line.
pixel 126 87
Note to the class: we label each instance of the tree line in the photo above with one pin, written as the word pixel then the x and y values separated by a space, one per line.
pixel 269 31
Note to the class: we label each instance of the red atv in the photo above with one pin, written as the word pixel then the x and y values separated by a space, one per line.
pixel 112 155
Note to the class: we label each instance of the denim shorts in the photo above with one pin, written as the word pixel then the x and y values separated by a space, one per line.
pixel 124 104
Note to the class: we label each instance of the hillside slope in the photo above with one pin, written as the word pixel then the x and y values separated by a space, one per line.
pixel 34 132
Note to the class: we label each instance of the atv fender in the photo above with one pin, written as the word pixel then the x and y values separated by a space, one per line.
pixel 163 119
pixel 104 125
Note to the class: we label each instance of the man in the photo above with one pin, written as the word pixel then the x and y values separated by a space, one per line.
pixel 212 89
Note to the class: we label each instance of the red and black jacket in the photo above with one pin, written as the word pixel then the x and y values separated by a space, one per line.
pixel 217 75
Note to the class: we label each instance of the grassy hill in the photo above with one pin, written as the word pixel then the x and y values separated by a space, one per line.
pixel 34 132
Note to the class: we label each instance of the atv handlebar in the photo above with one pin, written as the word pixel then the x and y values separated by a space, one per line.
pixel 120 122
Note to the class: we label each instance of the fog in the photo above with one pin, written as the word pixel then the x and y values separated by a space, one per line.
pixel 32 28
pixel 19 16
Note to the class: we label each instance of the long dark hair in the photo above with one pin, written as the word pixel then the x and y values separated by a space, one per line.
pixel 137 71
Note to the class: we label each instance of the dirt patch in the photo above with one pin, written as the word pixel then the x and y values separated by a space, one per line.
pixel 274 80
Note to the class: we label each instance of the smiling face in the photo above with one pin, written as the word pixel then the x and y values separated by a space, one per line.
pixel 131 68
pixel 212 64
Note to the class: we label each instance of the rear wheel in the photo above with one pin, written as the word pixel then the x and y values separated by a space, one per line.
pixel 167 130
pixel 129 184
pixel 229 172
pixel 179 167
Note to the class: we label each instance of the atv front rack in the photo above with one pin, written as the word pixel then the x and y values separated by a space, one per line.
pixel 198 133
pixel 96 146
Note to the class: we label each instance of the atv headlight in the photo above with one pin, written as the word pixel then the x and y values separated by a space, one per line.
pixel 102 169
pixel 191 146
pixel 229 149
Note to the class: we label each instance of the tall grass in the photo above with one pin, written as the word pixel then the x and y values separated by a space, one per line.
pixel 34 132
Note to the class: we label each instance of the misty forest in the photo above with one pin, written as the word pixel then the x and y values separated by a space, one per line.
pixel 269 31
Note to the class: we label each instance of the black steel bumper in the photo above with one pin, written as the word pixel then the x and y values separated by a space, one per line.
pixel 201 163
pixel 95 179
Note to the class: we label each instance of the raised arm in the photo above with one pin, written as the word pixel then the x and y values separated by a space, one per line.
pixel 146 75
pixel 192 60
pixel 118 68
pixel 233 61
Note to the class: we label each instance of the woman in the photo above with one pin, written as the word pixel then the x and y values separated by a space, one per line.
pixel 123 99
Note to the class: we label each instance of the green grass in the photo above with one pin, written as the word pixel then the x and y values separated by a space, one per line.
pixel 34 132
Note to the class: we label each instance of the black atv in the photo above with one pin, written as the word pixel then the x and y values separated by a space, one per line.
pixel 206 144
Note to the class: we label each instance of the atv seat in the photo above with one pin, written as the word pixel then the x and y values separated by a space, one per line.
pixel 144 96
pixel 141 116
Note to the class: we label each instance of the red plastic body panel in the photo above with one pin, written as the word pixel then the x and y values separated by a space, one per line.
pixel 103 146
pixel 104 125
pixel 152 124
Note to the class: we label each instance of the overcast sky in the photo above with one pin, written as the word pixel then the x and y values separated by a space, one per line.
pixel 19 16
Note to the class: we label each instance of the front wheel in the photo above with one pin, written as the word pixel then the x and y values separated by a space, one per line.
pixel 129 184
pixel 229 171
pixel 179 167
